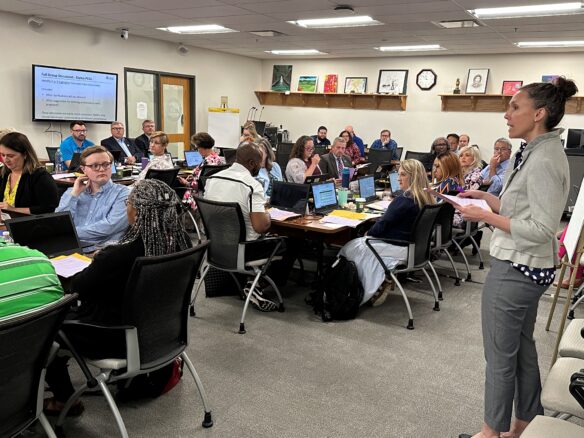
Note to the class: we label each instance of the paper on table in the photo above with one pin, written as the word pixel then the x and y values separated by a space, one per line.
pixel 341 221
pixel 68 266
pixel 379 205
pixel 281 215
pixel 63 175
pixel 348 214
pixel 360 166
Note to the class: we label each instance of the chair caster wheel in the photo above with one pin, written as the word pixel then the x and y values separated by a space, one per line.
pixel 457 282
pixel 281 308
pixel 192 311
pixel 440 296
pixel 436 306
pixel 242 328
pixel 481 266
pixel 208 421
pixel 410 325
pixel 468 277
pixel 571 314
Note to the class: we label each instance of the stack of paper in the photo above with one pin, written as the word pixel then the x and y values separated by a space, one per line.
pixel 379 205
pixel 68 266
pixel 63 175
pixel 281 215
pixel 346 218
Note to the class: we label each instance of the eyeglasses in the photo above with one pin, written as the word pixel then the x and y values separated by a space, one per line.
pixel 118 129
pixel 99 166
pixel 79 131
pixel 500 149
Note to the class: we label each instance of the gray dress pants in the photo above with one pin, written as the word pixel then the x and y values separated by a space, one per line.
pixel 509 311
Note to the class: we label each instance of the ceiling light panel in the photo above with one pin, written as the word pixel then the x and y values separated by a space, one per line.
pixel 529 11
pixel 197 30
pixel 411 48
pixel 296 52
pixel 328 23
pixel 539 44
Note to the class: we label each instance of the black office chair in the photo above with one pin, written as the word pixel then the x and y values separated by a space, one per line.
pixel 470 231
pixel 207 171
pixel 154 328
pixel 420 156
pixel 167 176
pixel 377 158
pixel 225 228
pixel 443 238
pixel 400 151
pixel 320 150
pixel 418 256
pixel 51 151
pixel 229 155
pixel 26 342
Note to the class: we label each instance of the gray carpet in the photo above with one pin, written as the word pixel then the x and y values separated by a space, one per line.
pixel 293 376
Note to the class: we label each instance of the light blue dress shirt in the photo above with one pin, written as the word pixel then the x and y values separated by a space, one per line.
pixel 98 217
pixel 124 146
pixel 497 180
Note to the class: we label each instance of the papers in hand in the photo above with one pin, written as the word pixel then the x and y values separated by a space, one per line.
pixel 68 266
pixel 281 215
pixel 63 175
pixel 458 202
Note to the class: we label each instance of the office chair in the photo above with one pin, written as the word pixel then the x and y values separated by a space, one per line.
pixel 51 151
pixel 226 230
pixel 26 343
pixel 418 255
pixel 207 171
pixel 443 238
pixel 400 151
pixel 154 330
pixel 320 150
pixel 469 232
pixel 167 176
pixel 572 341
pixel 229 155
pixel 554 396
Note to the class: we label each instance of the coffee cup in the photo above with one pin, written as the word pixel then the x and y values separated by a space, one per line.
pixel 50 167
pixel 360 203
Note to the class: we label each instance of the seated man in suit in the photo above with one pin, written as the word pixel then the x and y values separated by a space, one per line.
pixel 386 142
pixel 335 161
pixel 97 205
pixel 117 142
pixel 143 141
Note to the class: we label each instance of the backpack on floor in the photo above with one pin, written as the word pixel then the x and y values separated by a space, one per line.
pixel 341 292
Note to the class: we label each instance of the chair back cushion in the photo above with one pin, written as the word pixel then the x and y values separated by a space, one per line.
pixel 167 176
pixel 25 344
pixel 422 232
pixel 156 302
pixel 225 227
pixel 444 219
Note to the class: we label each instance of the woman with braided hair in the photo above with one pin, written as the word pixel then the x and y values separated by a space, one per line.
pixel 155 229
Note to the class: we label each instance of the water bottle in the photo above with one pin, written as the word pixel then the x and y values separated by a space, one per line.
pixel 346 177
pixel 7 238
pixel 59 167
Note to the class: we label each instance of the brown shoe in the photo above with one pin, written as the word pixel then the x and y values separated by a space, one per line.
pixel 53 408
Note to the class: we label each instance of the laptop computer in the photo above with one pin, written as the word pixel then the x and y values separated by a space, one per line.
pixel 75 164
pixel 53 234
pixel 193 159
pixel 325 197
pixel 316 178
pixel 290 196
pixel 393 182
pixel 117 156
pixel 367 188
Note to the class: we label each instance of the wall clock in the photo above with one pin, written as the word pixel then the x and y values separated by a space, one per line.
pixel 426 79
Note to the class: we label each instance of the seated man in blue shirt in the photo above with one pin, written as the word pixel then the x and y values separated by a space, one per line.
pixel 76 142
pixel 117 142
pixel 97 205
pixel 493 174
pixel 386 142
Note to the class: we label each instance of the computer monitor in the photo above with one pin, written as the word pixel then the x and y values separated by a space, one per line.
pixel 324 195
pixel 367 187
pixel 575 138
pixel 53 234
pixel 290 196
pixel 193 158
pixel 378 157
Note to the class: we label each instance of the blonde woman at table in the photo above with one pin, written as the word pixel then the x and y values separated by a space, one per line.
pixel 396 223
pixel 159 159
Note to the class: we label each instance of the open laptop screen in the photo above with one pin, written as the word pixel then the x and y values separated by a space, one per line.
pixel 193 158
pixel 324 195
pixel 367 187
pixel 290 196
pixel 393 182
pixel 53 234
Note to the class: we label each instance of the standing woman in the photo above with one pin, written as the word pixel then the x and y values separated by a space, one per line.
pixel 303 161
pixel 25 185
pixel 159 158
pixel 523 254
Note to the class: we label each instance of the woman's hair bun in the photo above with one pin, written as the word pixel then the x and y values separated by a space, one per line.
pixel 566 87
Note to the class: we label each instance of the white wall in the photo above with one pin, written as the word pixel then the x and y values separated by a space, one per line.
pixel 423 120
pixel 67 45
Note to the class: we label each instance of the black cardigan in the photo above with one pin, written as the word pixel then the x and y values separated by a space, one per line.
pixel 36 190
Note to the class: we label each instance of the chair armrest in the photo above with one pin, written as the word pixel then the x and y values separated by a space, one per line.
pixel 276 241
pixel 390 241
pixel 399 242
pixel 280 239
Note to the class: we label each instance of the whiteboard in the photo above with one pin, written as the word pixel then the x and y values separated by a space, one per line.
pixel 224 127
pixel 575 226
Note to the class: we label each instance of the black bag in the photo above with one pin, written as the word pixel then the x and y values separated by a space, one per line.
pixel 341 293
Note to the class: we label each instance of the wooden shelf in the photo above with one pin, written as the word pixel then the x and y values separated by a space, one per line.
pixel 496 103
pixel 384 102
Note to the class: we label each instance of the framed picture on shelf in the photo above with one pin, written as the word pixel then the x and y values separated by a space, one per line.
pixel 356 85
pixel 330 83
pixel 549 78
pixel 307 84
pixel 511 87
pixel 392 81
pixel 476 82
pixel 281 77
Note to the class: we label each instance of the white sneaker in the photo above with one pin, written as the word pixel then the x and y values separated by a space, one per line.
pixel 258 300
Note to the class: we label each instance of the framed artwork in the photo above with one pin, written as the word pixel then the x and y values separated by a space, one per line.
pixel 511 87
pixel 331 83
pixel 356 85
pixel 549 78
pixel 307 84
pixel 281 77
pixel 476 82
pixel 392 81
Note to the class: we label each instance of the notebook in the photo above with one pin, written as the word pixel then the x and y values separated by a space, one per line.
pixel 193 158
pixel 53 234
pixel 367 188
pixel 290 196
pixel 325 197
